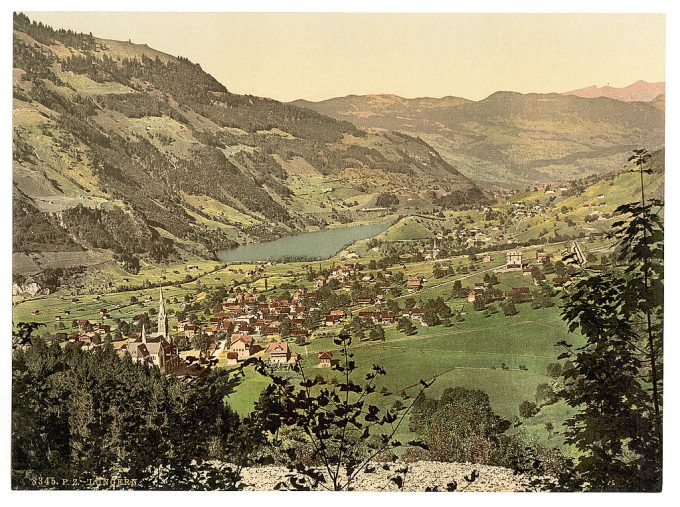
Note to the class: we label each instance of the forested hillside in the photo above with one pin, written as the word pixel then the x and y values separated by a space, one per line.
pixel 124 148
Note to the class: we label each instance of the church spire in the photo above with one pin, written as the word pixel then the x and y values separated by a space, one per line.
pixel 162 316
pixel 143 333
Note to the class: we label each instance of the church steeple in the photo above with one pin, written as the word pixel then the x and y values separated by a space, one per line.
pixel 143 333
pixel 162 317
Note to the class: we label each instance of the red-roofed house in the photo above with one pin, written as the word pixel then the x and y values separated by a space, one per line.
pixel 279 353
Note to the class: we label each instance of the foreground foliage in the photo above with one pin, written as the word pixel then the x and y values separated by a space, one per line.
pixel 81 420
pixel 615 384
pixel 327 435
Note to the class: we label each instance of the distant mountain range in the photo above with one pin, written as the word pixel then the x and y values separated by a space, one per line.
pixel 511 139
pixel 641 91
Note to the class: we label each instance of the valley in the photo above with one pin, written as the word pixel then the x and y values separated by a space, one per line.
pixel 506 356
pixel 187 235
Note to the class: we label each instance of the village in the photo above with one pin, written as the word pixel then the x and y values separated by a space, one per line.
pixel 277 328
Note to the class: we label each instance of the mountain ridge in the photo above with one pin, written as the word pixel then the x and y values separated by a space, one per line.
pixel 640 90
pixel 120 134
pixel 513 139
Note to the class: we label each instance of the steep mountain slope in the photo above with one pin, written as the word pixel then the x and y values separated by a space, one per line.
pixel 127 149
pixel 512 139
pixel 638 91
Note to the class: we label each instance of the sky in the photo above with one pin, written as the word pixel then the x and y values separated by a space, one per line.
pixel 288 56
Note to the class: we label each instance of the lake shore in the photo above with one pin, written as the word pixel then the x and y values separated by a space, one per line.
pixel 304 246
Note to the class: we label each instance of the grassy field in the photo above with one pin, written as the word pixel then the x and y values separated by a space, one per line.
pixel 468 354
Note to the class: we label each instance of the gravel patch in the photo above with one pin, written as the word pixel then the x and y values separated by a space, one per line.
pixel 420 476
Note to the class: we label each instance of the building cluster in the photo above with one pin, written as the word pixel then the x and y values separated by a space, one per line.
pixel 474 238
pixel 523 209
pixel 515 262
pixel 383 317
pixel 242 313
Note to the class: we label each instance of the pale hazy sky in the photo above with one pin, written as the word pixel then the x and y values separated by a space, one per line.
pixel 318 56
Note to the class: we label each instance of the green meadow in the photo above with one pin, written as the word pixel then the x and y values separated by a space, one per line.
pixel 468 354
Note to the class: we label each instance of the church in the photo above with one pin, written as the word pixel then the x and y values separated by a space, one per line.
pixel 156 349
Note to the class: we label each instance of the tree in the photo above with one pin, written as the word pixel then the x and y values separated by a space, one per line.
pixel 509 308
pixel 527 409
pixel 430 317
pixel 387 200
pixel 392 306
pixel 285 328
pixel 549 427
pixel 640 238
pixel 201 342
pixel 545 395
pixel 614 385
pixel 479 304
pixel 322 434
pixel 406 326
pixel 459 427
pixel 93 414
pixel 490 310
pixel 377 333
pixel 554 370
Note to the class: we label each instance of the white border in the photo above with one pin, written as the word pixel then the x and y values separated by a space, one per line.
pixel 172 498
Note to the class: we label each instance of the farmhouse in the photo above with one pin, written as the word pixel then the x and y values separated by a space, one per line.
pixel 243 345
pixel 299 332
pixel 325 359
pixel 414 283
pixel 386 317
pixel 210 330
pixel 279 353
pixel 332 320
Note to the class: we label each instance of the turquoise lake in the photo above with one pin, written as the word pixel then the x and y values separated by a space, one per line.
pixel 310 245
